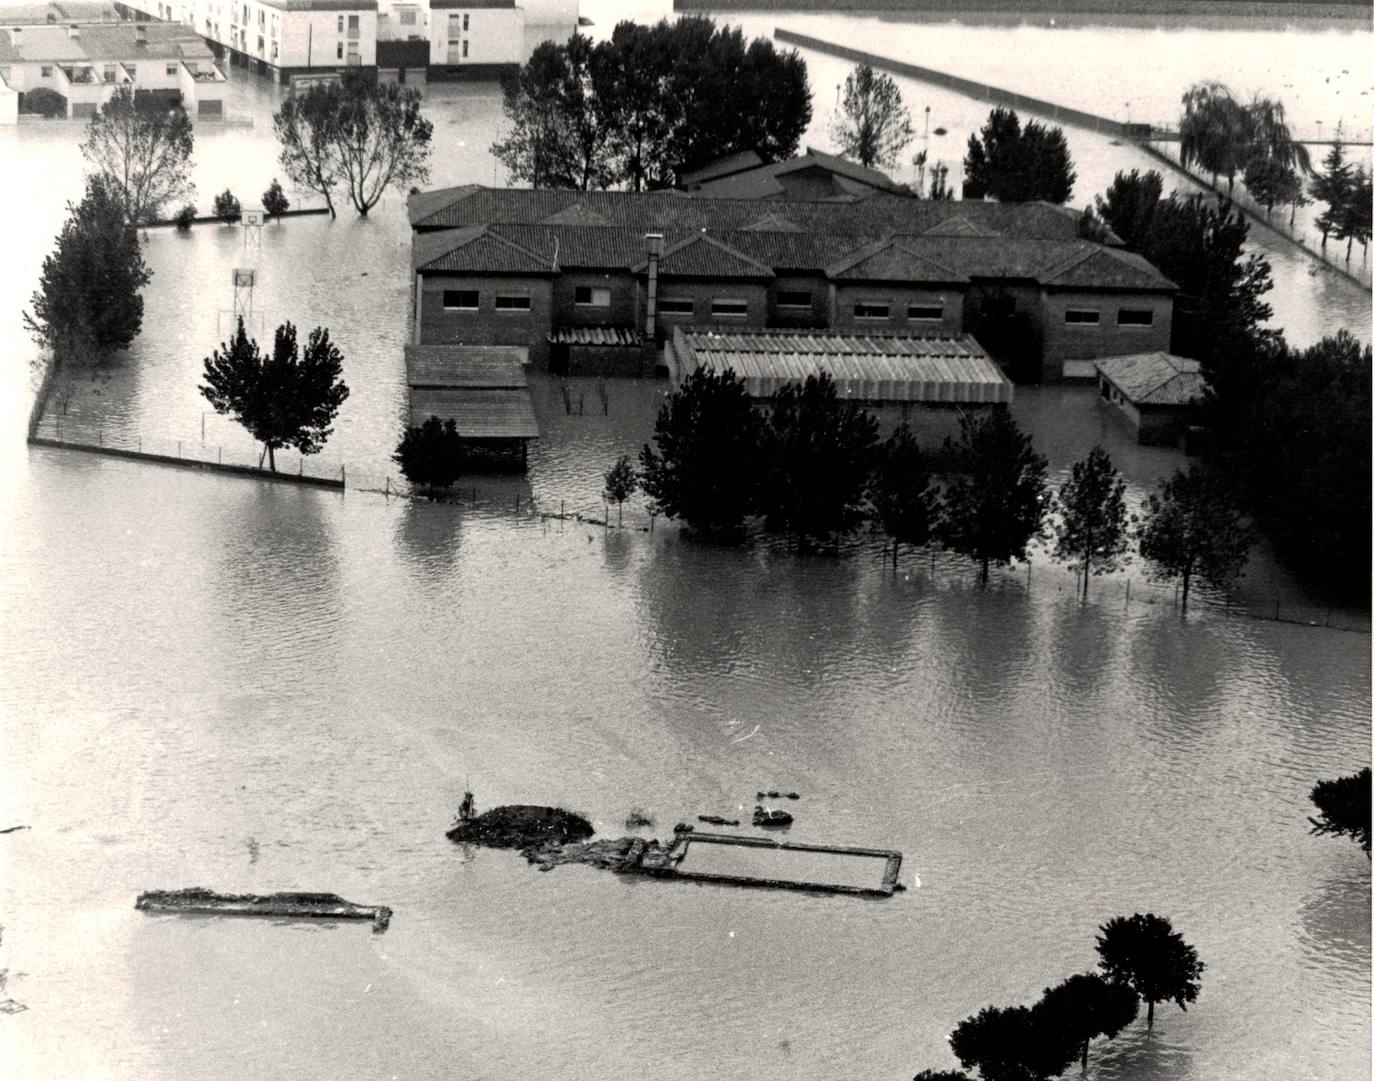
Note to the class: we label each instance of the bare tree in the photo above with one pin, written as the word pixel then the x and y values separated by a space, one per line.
pixel 143 149
pixel 873 126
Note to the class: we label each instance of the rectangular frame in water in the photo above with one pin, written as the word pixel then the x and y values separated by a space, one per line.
pixel 773 858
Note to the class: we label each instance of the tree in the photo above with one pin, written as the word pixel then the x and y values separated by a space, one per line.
pixel 1344 807
pixel 995 506
pixel 430 454
pixel 274 200
pixel 820 451
pixel 1192 528
pixel 1092 533
pixel 939 183
pixel 143 150
pixel 1128 207
pixel 227 207
pixel 1353 219
pixel 288 399
pixel 1332 187
pixel 707 464
pixel 1011 1044
pixel 1216 131
pixel 1150 957
pixel 87 302
pixel 873 126
pixel 1015 165
pixel 1271 182
pixel 942 1075
pixel 902 497
pixel 1085 1007
pixel 620 485
pixel 359 133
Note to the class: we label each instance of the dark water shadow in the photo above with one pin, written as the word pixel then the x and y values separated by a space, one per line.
pixel 428 537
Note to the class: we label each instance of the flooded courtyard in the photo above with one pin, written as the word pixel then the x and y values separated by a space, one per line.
pixel 218 682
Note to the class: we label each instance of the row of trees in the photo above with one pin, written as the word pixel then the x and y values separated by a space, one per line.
pixel 1140 958
pixel 814 468
pixel 649 104
pixel 1348 197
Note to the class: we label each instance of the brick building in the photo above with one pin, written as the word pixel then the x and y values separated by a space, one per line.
pixel 518 266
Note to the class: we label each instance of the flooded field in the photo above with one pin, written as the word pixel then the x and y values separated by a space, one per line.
pixel 213 682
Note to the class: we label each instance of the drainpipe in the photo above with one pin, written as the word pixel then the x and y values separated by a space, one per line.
pixel 419 294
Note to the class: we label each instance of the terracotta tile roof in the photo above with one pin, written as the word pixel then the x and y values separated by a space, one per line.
pixel 476 250
pixel 577 214
pixel 478 413
pixel 890 261
pixel 491 366
pixel 703 256
pixel 726 166
pixel 1093 267
pixel 1154 378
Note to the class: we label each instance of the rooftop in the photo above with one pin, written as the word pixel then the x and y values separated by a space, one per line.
pixel 865 367
pixel 1154 378
pixel 103 42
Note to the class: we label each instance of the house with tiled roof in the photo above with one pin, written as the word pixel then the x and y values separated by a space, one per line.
pixel 78 66
pixel 518 266
pixel 1159 394
pixel 812 176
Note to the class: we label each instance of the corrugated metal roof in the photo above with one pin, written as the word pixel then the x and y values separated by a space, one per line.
pixel 478 413
pixel 618 336
pixel 498 366
pixel 1155 378
pixel 869 368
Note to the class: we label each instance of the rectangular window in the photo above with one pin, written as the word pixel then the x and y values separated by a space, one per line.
pixel 262 19
pixel 132 69
pixel 869 309
pixel 46 71
pixel 1135 317
pixel 676 306
pixel 407 18
pixel 794 298
pixel 465 48
pixel 924 312
pixel 353 26
pixel 465 24
pixel 109 73
pixel 261 43
pixel 460 300
pixel 729 307
pixel 340 24
pixel 171 69
pixel 588 296
pixel 339 53
pixel 999 307
pixel 1081 316
pixel 512 302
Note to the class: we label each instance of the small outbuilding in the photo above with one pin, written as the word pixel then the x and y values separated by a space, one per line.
pixel 1160 394
pixel 482 389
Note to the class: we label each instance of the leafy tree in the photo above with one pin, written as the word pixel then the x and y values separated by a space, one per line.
pixel 1332 187
pixel 227 207
pixel 820 452
pixel 1271 182
pixel 88 301
pixel 1011 1044
pixel 939 183
pixel 1216 131
pixel 635 78
pixel 620 485
pixel 1085 1007
pixel 942 1075
pixel 1128 207
pixel 873 126
pixel 1092 533
pixel 1271 139
pixel 706 467
pixel 143 150
pixel 1192 528
pixel 1150 957
pixel 287 399
pixel 1353 219
pixel 902 497
pixel 274 200
pixel 995 506
pixel 1344 806
pixel 430 454
pixel 359 133
pixel 185 218
pixel 1016 165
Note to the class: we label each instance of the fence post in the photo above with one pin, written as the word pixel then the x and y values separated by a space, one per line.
pixel 343 474
pixel 1128 592
pixel 221 454
pixel 100 437
pixel 386 490
pixel 178 448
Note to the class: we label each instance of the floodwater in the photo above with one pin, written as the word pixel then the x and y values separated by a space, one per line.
pixel 789 864
pixel 210 681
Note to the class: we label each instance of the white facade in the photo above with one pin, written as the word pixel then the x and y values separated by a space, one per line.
pixel 496 32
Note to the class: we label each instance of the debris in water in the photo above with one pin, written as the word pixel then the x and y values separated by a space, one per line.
pixel 200 901
pixel 717 820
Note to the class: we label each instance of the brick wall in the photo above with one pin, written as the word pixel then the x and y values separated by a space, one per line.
pixel 621 312
pixel 898 298
pixel 702 293
pixel 816 315
pixel 1066 342
pixel 487 325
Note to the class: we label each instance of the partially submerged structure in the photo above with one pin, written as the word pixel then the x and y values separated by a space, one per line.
pixel 482 389
pixel 1159 394
pixel 324 906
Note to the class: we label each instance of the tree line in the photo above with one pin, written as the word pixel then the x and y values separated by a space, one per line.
pixel 1140 958
pixel 649 104
pixel 1288 428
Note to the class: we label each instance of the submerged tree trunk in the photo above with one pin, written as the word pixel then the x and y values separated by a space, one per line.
pixel 1150 1005
pixel 1085 1056
pixel 1187 577
pixel 983 576
pixel 894 554
pixel 271 458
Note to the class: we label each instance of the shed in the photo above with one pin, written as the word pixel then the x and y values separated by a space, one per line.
pixel 1158 393
pixel 482 389
pixel 596 351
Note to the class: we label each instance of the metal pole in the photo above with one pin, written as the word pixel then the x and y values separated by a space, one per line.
pixel 178 448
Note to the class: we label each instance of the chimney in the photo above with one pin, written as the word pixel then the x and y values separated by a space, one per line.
pixel 653 244
pixel 141 34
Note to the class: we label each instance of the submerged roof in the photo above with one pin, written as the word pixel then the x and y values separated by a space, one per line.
pixel 865 367
pixel 492 366
pixel 478 413
pixel 1155 378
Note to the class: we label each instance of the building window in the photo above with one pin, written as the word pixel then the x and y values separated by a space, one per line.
pixel 794 298
pixel 868 309
pixel 274 50
pixel 46 71
pixel 132 69
pixel 353 26
pixel 339 52
pixel 465 48
pixel 262 20
pixel 340 24
pixel 1081 316
pixel 465 24
pixel 729 307
pixel 171 69
pixel 1106 391
pixel 109 73
pixel 999 307
pixel 262 45
pixel 588 296
pixel 407 18
pixel 924 313
pixel 1135 317
pixel 512 302
pixel 676 306
pixel 461 300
